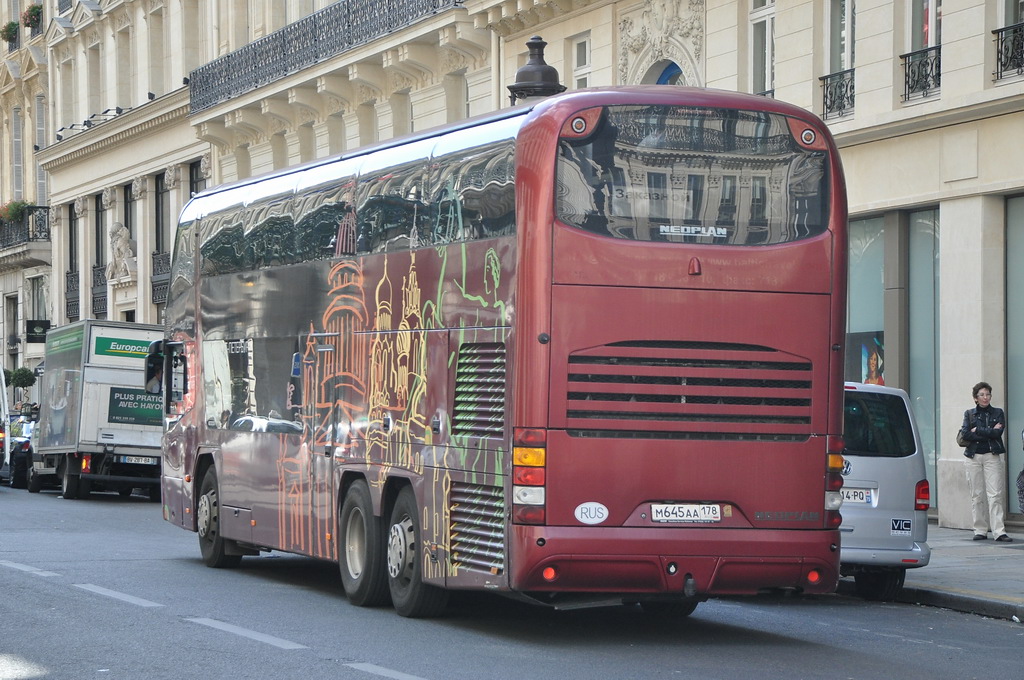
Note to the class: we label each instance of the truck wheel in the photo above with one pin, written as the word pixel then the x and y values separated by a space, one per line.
pixel 361 555
pixel 35 484
pixel 68 481
pixel 19 474
pixel 409 594
pixel 211 543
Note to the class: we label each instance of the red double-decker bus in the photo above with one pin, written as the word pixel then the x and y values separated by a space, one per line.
pixel 583 350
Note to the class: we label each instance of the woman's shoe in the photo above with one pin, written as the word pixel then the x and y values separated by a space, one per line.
pixel 1005 539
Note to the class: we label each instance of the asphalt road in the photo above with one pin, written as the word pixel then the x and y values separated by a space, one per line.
pixel 104 588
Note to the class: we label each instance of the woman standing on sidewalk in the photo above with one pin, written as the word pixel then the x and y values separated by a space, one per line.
pixel 983 428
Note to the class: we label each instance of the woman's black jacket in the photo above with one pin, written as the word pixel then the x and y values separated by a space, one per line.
pixel 987 438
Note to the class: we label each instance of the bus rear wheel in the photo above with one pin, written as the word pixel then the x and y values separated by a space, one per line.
pixel 410 596
pixel 361 558
pixel 211 544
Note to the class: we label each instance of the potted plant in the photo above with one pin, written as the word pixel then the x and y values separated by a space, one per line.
pixel 32 17
pixel 13 211
pixel 9 31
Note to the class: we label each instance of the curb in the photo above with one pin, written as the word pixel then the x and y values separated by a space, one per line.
pixel 957 602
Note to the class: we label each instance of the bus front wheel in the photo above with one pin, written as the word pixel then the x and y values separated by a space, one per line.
pixel 410 596
pixel 211 543
pixel 361 558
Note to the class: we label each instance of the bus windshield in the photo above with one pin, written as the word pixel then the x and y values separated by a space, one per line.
pixel 681 174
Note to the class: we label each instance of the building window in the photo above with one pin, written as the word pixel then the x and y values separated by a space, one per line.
pixel 128 217
pixel 581 64
pixel 762 25
pixel 99 231
pixel 38 299
pixel 72 238
pixel 865 311
pixel 923 330
pixel 1014 337
pixel 196 180
pixel 162 214
pixel 40 141
pixel 841 35
pixel 925 24
pixel 17 155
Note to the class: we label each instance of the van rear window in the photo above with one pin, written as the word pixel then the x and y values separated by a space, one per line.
pixel 877 425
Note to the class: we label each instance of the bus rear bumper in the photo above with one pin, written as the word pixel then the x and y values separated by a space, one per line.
pixel 705 562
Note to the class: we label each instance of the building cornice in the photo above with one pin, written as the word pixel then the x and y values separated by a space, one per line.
pixel 167 111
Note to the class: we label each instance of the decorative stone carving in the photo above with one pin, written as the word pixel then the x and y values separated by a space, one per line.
pixel 205 165
pixel 172 175
pixel 122 253
pixel 81 206
pixel 109 198
pixel 139 187
pixel 660 31
pixel 55 213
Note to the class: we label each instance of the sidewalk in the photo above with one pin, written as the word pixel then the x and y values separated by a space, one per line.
pixel 978 577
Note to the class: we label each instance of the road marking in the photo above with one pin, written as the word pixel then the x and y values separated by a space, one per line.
pixel 245 632
pixel 381 671
pixel 27 568
pixel 124 597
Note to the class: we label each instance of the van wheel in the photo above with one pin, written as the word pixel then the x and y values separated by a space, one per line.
pixel 883 585
pixel 409 594
pixel 19 474
pixel 361 556
pixel 669 609
pixel 211 543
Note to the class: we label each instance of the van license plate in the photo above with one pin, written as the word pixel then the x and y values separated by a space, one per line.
pixel 138 460
pixel 686 512
pixel 857 495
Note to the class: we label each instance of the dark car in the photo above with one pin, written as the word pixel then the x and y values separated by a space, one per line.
pixel 20 433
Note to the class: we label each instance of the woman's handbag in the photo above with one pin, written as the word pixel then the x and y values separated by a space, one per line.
pixel 960 440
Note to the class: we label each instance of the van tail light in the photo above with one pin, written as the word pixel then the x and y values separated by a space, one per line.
pixel 922 495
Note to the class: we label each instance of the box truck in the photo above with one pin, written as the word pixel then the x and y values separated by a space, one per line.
pixel 99 429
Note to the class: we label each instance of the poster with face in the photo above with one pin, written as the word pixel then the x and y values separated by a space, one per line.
pixel 865 357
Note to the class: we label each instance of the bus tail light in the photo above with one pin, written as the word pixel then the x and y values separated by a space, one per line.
pixel 86 463
pixel 529 475
pixel 922 495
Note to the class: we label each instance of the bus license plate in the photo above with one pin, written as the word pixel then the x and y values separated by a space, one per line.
pixel 138 460
pixel 686 512
pixel 852 495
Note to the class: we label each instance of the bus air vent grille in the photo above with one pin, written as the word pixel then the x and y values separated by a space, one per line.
pixel 477 529
pixel 479 409
pixel 699 390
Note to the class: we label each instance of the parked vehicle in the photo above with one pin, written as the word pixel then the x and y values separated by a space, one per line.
pixel 885 491
pixel 19 448
pixel 99 429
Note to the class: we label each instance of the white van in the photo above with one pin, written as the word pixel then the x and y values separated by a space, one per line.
pixel 885 491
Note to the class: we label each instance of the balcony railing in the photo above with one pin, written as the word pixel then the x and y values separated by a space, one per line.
pixel 161 279
pixel 922 73
pixel 1009 51
pixel 71 304
pixel 33 226
pixel 99 291
pixel 310 40
pixel 63 6
pixel 837 94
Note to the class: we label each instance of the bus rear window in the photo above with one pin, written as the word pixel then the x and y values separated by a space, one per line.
pixel 679 174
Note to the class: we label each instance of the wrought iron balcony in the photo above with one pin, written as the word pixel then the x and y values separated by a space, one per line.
pixel 922 73
pixel 71 305
pixel 310 40
pixel 837 94
pixel 1009 51
pixel 161 278
pixel 26 242
pixel 63 6
pixel 99 291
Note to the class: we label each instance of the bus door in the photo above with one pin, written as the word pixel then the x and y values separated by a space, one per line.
pixel 319 396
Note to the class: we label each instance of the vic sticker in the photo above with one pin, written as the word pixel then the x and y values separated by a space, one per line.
pixel 901 527
pixel 591 513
